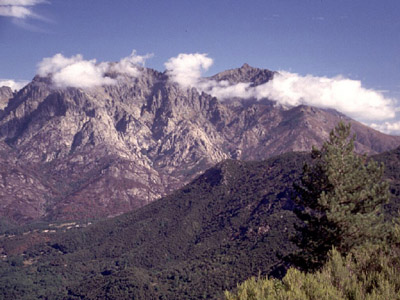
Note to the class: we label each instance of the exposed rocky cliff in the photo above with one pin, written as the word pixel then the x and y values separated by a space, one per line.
pixel 84 153
pixel 5 95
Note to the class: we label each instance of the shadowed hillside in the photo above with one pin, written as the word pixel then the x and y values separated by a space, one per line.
pixel 230 223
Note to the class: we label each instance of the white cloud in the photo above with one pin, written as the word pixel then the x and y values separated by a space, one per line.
pixel 77 72
pixel 186 69
pixel 20 9
pixel 56 63
pixel 224 90
pixel 127 65
pixel 15 11
pixel 345 95
pixel 15 85
pixel 82 74
pixel 387 127
pixel 21 2
pixel 73 71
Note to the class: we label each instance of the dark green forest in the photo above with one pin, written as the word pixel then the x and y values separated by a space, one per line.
pixel 230 223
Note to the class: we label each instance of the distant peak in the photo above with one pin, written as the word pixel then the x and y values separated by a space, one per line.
pixel 245 73
pixel 247 68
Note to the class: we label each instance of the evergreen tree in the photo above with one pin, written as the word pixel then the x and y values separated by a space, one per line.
pixel 340 200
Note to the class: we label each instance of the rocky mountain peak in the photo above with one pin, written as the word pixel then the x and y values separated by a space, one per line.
pixel 245 73
pixel 106 150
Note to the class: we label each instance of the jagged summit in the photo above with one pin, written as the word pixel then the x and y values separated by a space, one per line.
pixel 107 150
pixel 245 73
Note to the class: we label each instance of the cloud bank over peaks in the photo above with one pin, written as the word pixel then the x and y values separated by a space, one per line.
pixel 15 85
pixel 79 73
pixel 345 95
pixel 186 69
pixel 128 65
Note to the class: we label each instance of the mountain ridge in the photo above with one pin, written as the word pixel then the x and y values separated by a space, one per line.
pixel 6 94
pixel 245 73
pixel 107 150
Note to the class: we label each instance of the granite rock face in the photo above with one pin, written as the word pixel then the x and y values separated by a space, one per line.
pixel 6 94
pixel 87 153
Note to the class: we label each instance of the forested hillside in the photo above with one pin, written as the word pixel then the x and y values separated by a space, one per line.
pixel 347 248
pixel 231 223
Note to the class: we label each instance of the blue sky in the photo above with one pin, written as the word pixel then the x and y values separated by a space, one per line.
pixel 356 39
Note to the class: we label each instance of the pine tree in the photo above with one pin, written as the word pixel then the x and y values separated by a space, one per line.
pixel 340 198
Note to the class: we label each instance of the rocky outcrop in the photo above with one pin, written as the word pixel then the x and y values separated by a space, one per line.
pixel 245 73
pixel 5 95
pixel 107 150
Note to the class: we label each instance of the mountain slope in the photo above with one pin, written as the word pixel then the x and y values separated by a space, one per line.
pixel 107 150
pixel 228 224
pixel 232 222
pixel 6 94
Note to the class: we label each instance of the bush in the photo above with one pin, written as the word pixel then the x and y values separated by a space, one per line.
pixel 368 272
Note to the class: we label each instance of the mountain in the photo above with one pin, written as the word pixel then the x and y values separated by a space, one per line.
pixel 99 152
pixel 23 191
pixel 245 73
pixel 6 94
pixel 230 223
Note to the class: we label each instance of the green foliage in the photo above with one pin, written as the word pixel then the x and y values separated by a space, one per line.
pixel 232 222
pixel 391 160
pixel 341 197
pixel 18 281
pixel 370 272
